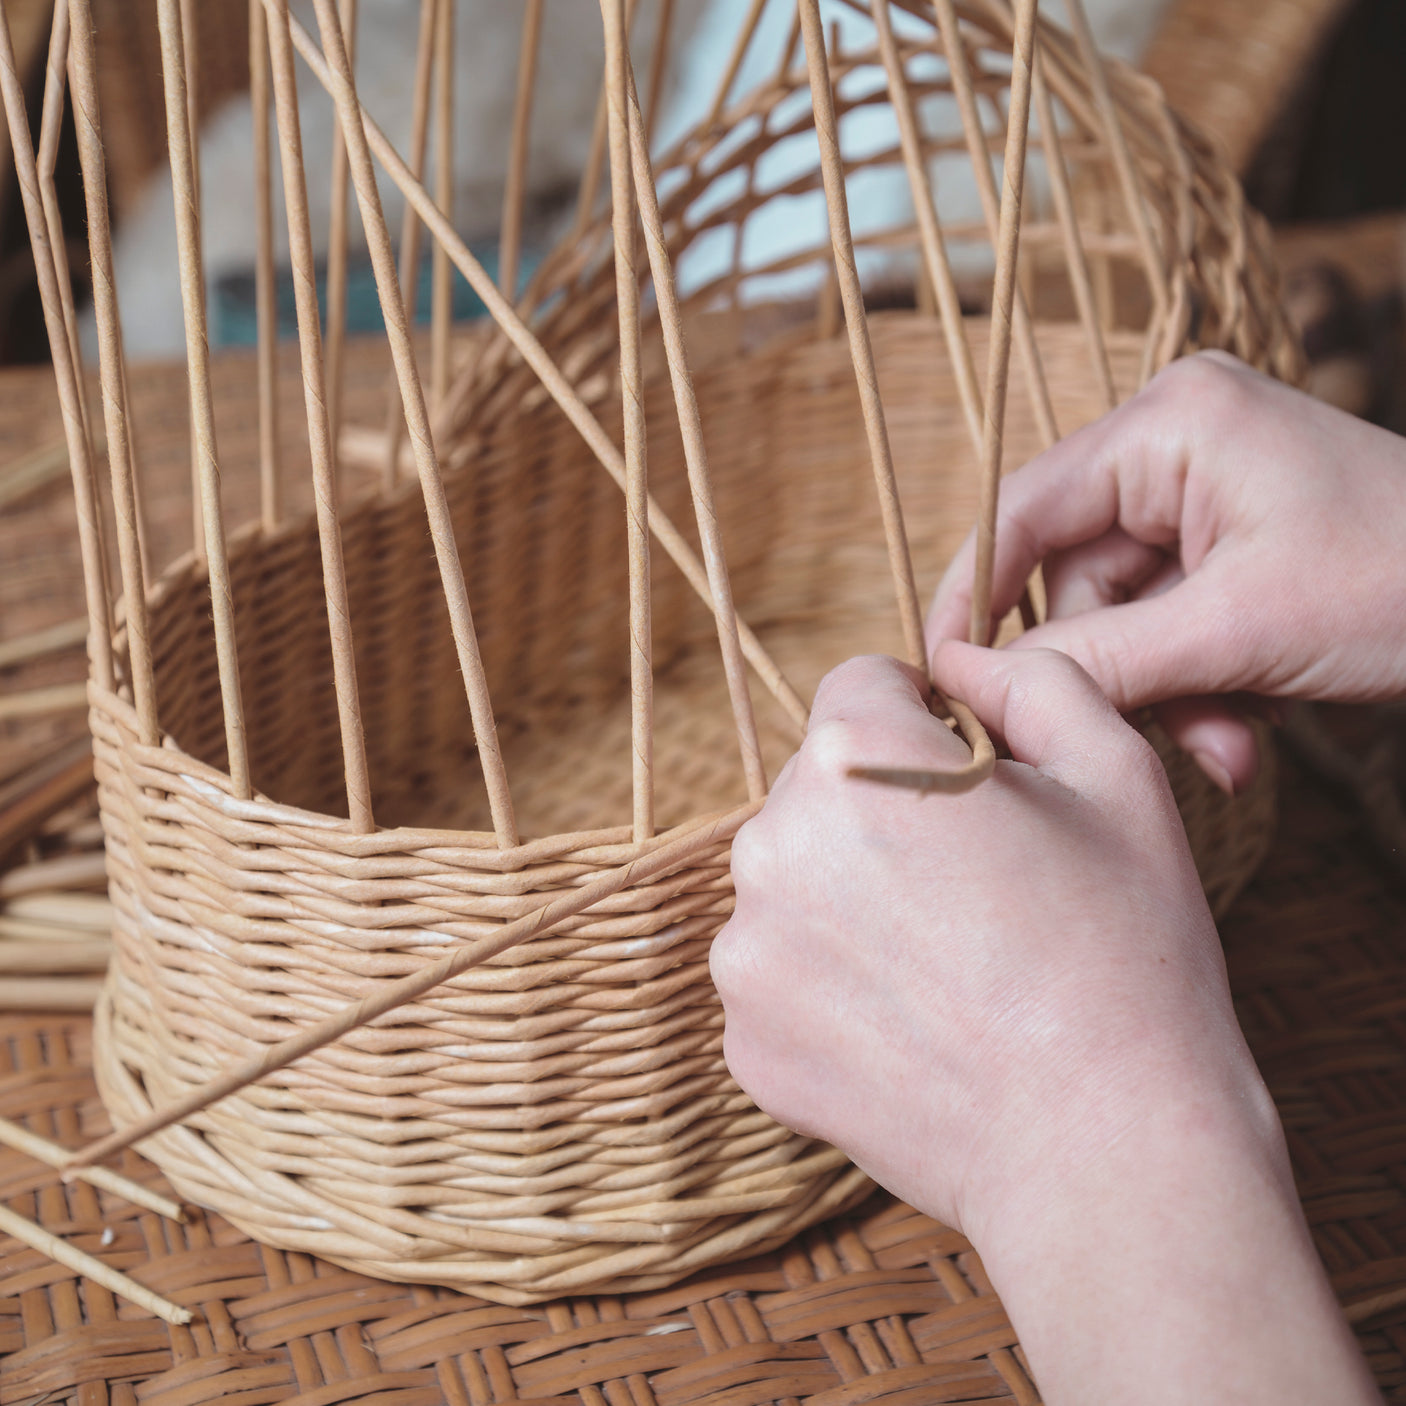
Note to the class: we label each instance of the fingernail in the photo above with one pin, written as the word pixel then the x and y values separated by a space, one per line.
pixel 1213 768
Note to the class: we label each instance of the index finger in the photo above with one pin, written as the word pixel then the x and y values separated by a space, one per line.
pixel 1128 469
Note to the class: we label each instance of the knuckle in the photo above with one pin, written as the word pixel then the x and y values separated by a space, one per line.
pixel 831 748
pixel 1213 384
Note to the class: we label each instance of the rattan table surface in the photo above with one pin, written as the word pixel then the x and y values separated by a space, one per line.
pixel 883 1306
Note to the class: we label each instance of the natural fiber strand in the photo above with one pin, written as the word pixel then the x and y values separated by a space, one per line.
pixel 695 452
pixel 660 860
pixel 515 187
pixel 206 457
pixel 320 444
pixel 552 380
pixel 53 1155
pixel 61 1252
pixel 338 251
pixel 83 86
pixel 410 239
pixel 627 297
pixel 412 397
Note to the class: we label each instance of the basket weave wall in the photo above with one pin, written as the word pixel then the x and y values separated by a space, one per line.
pixel 560 1117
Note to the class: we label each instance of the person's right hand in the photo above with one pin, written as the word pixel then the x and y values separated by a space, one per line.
pixel 1218 533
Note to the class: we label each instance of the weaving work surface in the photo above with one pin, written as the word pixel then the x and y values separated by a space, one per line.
pixel 883 1306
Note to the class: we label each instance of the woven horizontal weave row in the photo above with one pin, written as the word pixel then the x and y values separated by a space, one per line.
pixel 883 1306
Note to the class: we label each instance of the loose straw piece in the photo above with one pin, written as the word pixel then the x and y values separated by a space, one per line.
pixel 67 370
pixel 61 1252
pixel 451 569
pixel 265 291
pixel 657 861
pixel 627 298
pixel 515 189
pixel 1002 299
pixel 53 1155
pixel 695 452
pixel 550 375
pixel 180 140
pixel 320 446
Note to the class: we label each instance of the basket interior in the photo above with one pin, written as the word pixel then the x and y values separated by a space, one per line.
pixel 540 529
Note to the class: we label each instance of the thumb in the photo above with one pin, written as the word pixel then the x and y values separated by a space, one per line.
pixel 1146 651
pixel 1050 712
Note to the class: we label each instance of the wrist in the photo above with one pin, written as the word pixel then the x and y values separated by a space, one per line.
pixel 1175 1265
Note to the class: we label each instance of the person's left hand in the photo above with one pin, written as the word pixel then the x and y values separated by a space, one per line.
pixel 974 995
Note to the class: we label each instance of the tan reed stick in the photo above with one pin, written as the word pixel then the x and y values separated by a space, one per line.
pixel 50 134
pixel 61 1252
pixel 556 385
pixel 1002 301
pixel 1075 258
pixel 320 446
pixel 192 271
pixel 627 298
pixel 936 264
pixel 410 225
pixel 658 62
pixel 861 352
pixel 337 256
pixel 665 855
pixel 963 90
pixel 515 188
pixel 20 1138
pixel 595 158
pixel 67 371
pixel 88 124
pixel 441 278
pixel 451 568
pixel 190 66
pixel 876 430
pixel 265 288
pixel 695 451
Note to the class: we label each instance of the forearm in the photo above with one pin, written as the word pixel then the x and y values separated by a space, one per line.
pixel 1179 1269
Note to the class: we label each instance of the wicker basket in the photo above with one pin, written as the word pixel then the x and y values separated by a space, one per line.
pixel 557 1116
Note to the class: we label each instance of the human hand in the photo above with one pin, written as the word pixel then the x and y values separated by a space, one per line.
pixel 1218 533
pixel 976 994
pixel 1010 1008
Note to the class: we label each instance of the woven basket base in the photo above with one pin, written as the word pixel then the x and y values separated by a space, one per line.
pixel 882 1306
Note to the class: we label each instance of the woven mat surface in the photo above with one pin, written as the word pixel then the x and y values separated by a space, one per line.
pixel 885 1306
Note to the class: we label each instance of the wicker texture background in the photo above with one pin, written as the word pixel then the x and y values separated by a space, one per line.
pixel 884 1306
